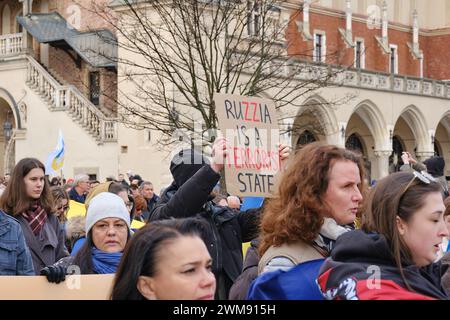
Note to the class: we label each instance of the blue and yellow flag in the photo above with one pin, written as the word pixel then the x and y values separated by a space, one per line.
pixel 55 160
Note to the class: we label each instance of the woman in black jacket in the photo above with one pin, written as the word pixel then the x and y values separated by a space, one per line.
pixel 190 196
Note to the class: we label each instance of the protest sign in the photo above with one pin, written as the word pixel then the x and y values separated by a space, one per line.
pixel 250 126
pixel 76 287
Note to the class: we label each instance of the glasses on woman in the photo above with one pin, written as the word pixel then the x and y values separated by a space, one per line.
pixel 63 208
pixel 423 177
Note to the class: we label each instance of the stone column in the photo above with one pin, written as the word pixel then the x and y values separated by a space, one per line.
pixel 348 17
pixel 415 31
pixel 382 159
pixel 27 43
pixel 384 22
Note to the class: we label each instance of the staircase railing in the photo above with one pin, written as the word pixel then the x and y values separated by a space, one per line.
pixel 68 98
pixel 11 44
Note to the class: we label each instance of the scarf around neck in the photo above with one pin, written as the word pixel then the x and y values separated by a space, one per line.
pixel 36 217
pixel 329 233
pixel 105 262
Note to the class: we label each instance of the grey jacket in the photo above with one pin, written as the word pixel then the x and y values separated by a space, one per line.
pixel 48 247
pixel 15 257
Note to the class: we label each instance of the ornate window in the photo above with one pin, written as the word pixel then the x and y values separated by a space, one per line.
pixel 94 87
pixel 253 18
pixel 354 143
pixel 306 138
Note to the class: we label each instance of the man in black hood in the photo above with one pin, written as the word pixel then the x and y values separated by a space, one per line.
pixel 190 195
pixel 435 166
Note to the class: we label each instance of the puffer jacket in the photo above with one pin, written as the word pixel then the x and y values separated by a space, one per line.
pixel 361 267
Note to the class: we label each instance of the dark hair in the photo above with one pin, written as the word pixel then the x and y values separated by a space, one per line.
pixel 14 199
pixel 59 193
pixel 116 188
pixel 55 181
pixel 141 253
pixel 399 194
pixel 297 210
pixel 447 206
pixel 83 258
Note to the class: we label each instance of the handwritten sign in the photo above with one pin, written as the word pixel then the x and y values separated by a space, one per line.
pixel 250 126
pixel 76 287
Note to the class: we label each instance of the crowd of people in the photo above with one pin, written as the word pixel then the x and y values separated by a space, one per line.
pixel 324 233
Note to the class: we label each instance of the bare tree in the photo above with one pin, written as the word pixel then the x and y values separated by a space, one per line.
pixel 176 54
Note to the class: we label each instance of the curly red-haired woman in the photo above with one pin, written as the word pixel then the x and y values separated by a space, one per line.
pixel 318 198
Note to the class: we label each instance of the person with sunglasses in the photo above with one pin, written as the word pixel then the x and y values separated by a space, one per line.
pixel 61 201
pixel 392 256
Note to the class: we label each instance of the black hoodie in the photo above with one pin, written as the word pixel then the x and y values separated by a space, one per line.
pixel 435 166
pixel 361 267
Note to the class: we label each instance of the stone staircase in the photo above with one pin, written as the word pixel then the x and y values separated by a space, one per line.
pixel 67 98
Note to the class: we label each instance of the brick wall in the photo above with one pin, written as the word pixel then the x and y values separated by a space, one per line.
pixel 61 62
pixel 435 48
pixel 436 51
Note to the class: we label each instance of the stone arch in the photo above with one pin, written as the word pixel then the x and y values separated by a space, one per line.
pixel 324 122
pixel 355 134
pixel 418 125
pixel 5 95
pixel 6 19
pixel 445 121
pixel 374 120
pixel 442 139
pixel 8 114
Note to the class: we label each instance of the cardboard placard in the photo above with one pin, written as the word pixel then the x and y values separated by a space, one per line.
pixel 250 126
pixel 76 287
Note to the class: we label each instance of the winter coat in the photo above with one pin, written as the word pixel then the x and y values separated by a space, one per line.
pixel 249 273
pixel 73 195
pixel 445 281
pixel 288 255
pixel 361 267
pixel 228 229
pixel 15 257
pixel 47 247
pixel 151 203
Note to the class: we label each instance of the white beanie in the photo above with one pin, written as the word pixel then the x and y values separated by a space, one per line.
pixel 106 205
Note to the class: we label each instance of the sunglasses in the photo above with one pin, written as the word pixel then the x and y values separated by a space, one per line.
pixel 423 177
pixel 64 208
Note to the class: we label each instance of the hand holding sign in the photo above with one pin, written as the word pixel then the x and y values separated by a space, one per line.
pixel 250 125
pixel 219 154
pixel 284 151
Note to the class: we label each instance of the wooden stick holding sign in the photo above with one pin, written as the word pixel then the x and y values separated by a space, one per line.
pixel 250 126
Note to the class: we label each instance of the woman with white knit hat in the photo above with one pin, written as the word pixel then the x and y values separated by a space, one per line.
pixel 107 230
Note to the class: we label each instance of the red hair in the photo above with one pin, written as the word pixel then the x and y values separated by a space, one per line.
pixel 297 210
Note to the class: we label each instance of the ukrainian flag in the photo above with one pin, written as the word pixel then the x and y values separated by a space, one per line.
pixel 55 160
